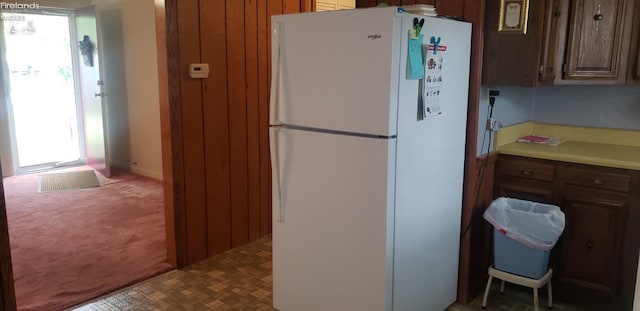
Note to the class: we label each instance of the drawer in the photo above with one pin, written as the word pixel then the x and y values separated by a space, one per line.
pixel 525 168
pixel 599 179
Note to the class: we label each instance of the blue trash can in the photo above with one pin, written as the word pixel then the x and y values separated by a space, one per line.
pixel 514 257
pixel 524 234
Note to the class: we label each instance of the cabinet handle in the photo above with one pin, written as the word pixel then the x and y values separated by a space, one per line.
pixel 589 245
pixel 596 181
pixel 525 172
pixel 598 17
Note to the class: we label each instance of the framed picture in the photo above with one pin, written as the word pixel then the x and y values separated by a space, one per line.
pixel 513 16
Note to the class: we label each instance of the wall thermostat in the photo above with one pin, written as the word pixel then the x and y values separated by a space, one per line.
pixel 199 71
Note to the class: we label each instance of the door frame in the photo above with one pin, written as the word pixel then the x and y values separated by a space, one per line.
pixel 7 290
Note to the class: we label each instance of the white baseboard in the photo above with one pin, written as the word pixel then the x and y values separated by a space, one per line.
pixel 146 172
pixel 138 170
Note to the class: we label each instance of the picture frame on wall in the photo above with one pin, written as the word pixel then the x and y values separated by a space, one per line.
pixel 514 15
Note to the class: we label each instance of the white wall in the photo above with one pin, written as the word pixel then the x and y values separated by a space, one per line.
pixel 606 106
pixel 138 125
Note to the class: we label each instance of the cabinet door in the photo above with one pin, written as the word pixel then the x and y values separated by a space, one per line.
pixel 634 68
pixel 547 71
pixel 595 47
pixel 591 248
pixel 513 59
pixel 637 71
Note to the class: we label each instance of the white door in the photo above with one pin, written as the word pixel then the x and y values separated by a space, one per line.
pixel 332 221
pixel 39 98
pixel 94 97
pixel 337 70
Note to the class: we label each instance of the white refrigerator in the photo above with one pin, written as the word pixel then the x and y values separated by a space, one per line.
pixel 367 162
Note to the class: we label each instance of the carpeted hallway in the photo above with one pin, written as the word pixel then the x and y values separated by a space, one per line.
pixel 70 246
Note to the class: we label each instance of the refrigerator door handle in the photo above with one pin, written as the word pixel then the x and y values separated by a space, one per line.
pixel 275 166
pixel 276 46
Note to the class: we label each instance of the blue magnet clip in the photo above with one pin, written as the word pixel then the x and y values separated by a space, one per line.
pixel 436 44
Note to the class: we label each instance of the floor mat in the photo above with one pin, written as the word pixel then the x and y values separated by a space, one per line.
pixel 67 181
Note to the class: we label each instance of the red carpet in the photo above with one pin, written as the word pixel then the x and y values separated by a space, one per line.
pixel 70 246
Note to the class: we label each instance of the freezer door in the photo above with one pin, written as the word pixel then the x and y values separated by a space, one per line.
pixel 336 70
pixel 332 221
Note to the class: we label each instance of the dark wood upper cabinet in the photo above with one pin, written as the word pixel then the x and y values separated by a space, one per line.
pixel 637 67
pixel 634 68
pixel 521 59
pixel 596 45
pixel 567 42
pixel 547 69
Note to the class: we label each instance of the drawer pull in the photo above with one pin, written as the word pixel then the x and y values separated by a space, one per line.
pixel 524 172
pixel 596 181
pixel 589 245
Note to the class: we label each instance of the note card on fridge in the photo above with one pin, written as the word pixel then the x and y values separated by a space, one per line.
pixel 416 64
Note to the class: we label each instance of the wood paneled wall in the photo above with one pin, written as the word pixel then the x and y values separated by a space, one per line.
pixel 473 251
pixel 471 275
pixel 219 137
pixel 478 236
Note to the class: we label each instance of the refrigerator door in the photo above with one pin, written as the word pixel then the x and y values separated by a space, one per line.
pixel 332 221
pixel 336 70
pixel 430 166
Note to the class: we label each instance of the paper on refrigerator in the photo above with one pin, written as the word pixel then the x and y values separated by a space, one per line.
pixel 431 86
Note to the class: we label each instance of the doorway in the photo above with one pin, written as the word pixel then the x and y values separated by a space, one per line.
pixel 44 106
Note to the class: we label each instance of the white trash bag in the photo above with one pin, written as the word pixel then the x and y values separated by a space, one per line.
pixel 535 225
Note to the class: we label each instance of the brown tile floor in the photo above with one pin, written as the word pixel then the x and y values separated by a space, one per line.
pixel 240 279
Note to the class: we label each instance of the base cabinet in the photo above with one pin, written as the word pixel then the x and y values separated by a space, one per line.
pixel 596 258
pixel 591 248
